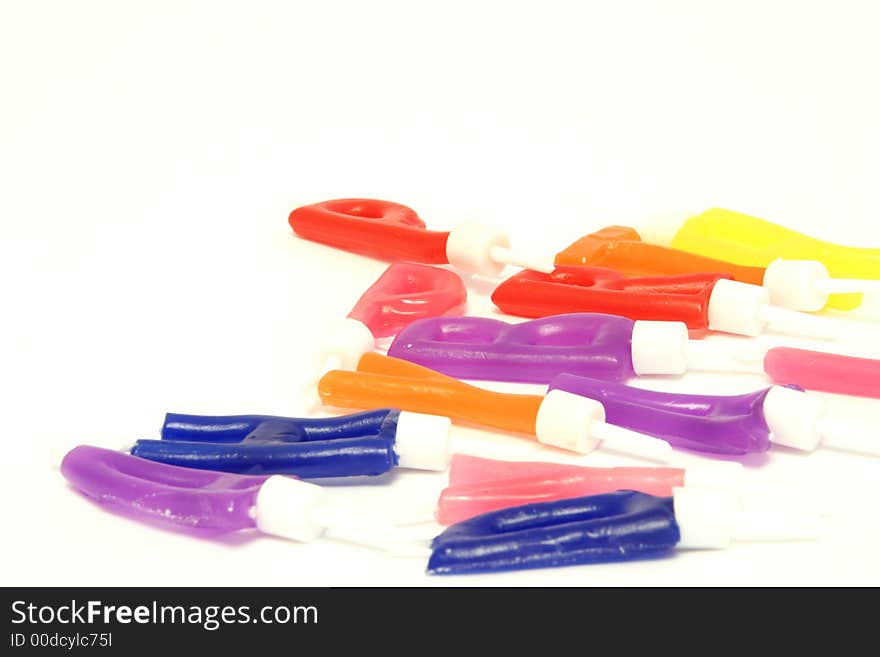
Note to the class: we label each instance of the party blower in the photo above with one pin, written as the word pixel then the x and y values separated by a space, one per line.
pixel 804 285
pixel 478 485
pixel 559 419
pixel 613 348
pixel 361 444
pixel 705 302
pixel 404 293
pixel 618 526
pixel 218 503
pixel 393 232
pixel 747 240
pixel 722 424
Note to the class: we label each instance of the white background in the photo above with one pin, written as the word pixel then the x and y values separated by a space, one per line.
pixel 150 154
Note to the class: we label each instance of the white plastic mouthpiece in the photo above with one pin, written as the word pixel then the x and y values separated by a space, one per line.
pixel 300 511
pixel 665 348
pixel 745 309
pixel 341 346
pixel 422 441
pixel 576 423
pixel 708 519
pixel 483 250
pixel 805 285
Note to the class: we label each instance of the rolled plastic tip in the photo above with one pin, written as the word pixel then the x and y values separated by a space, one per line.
pixel 576 423
pixel 422 441
pixel 710 520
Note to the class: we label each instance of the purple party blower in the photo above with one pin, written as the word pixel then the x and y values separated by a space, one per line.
pixel 589 344
pixel 719 424
pixel 222 502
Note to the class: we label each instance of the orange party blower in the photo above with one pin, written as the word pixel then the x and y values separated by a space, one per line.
pixel 802 285
pixel 622 249
pixel 559 419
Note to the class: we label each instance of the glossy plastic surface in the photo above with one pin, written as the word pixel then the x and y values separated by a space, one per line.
pixel 813 370
pixel 619 526
pixel 161 493
pixel 381 379
pixel 590 344
pixel 747 240
pixel 407 292
pixel 378 229
pixel 718 424
pixel 683 298
pixel 478 485
pixel 353 445
pixel 622 249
